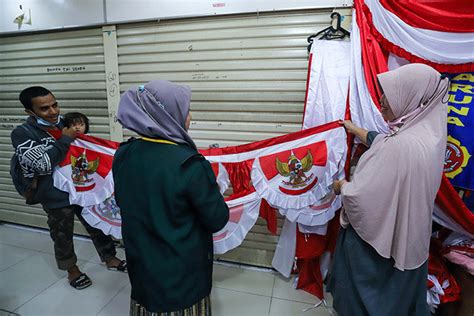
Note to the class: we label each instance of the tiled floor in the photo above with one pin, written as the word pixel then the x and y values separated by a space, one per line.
pixel 30 284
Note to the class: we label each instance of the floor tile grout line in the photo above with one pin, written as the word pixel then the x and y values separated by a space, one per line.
pixel 39 293
pixel 239 291
pixel 109 301
pixel 81 264
pixel 271 299
pixel 10 266
pixel 288 300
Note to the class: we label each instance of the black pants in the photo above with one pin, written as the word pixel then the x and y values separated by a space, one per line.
pixel 61 228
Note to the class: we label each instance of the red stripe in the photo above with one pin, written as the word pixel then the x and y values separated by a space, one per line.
pixel 455 16
pixel 374 58
pixel 100 141
pixel 298 192
pixel 399 51
pixel 269 142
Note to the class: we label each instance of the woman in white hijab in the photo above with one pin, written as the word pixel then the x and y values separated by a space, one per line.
pixel 380 263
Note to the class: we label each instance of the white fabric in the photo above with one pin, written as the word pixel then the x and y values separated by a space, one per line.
pixel 243 214
pixel 285 251
pixel 395 62
pixel 364 113
pixel 271 149
pixel 312 216
pixel 433 294
pixel 271 189
pixel 318 229
pixel 222 179
pixel 105 216
pixel 328 82
pixel 441 218
pixel 435 46
pixel 102 188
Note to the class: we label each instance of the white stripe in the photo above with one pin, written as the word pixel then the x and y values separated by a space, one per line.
pixel 323 136
pixel 364 113
pixel 439 47
pixel 95 147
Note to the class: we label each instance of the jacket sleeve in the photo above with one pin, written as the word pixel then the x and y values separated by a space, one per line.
pixel 39 158
pixel 204 195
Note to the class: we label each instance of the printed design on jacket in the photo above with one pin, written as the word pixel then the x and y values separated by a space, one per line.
pixel 32 156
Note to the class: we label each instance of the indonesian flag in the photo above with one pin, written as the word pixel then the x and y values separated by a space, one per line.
pixel 86 174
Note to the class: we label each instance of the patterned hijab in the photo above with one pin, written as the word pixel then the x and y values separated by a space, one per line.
pixel 157 110
pixel 390 200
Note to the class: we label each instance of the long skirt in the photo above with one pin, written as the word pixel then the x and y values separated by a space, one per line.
pixel 201 308
pixel 364 283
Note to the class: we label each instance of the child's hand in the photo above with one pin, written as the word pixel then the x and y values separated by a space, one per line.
pixel 70 131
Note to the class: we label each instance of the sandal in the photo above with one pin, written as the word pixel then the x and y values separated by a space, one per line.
pixel 121 267
pixel 81 282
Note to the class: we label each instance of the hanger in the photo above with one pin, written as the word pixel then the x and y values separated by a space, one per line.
pixel 330 33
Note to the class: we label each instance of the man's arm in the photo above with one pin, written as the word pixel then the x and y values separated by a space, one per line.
pixel 39 158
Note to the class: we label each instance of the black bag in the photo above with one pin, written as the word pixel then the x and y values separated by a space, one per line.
pixel 26 187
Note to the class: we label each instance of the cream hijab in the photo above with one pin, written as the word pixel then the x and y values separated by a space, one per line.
pixel 390 200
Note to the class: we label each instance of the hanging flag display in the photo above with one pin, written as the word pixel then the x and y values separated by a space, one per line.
pixel 327 84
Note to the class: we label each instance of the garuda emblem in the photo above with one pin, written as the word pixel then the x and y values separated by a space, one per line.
pixel 82 169
pixel 296 170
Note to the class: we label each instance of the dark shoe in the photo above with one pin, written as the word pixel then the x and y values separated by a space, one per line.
pixel 122 267
pixel 81 282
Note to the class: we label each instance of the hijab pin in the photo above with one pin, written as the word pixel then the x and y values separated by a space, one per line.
pixel 141 88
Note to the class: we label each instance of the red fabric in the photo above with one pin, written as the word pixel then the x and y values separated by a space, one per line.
pixel 438 268
pixel 455 16
pixel 239 176
pixel 268 213
pixel 310 279
pixel 350 138
pixel 309 248
pixel 451 204
pixel 375 35
pixel 269 142
pixel 374 58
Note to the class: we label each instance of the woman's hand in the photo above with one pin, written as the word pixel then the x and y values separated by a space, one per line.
pixel 337 186
pixel 349 126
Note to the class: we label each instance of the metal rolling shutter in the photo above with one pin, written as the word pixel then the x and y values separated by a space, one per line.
pixel 71 65
pixel 248 76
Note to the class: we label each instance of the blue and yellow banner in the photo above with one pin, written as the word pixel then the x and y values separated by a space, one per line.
pixel 459 163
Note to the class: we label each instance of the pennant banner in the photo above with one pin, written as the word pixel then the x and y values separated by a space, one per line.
pixel 293 173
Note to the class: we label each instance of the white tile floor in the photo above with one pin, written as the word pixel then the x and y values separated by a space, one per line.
pixel 30 284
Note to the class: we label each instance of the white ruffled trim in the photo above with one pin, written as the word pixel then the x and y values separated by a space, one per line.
pixel 97 222
pixel 281 200
pixel 310 217
pixel 249 217
pixel 87 198
pixel 222 179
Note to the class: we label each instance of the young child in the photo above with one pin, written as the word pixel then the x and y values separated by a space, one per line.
pixel 78 121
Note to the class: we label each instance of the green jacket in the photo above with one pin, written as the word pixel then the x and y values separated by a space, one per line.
pixel 170 206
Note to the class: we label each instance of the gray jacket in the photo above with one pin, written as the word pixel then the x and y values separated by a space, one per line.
pixel 39 154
